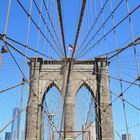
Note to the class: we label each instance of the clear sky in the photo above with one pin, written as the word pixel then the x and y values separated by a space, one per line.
pixel 125 65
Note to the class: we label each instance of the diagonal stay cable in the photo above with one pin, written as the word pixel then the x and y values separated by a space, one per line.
pixel 121 21
pixel 25 46
pixel 61 26
pixel 51 22
pixel 102 26
pixel 120 94
pixel 35 95
pixel 18 66
pixel 17 115
pixel 91 28
pixel 110 92
pixel 6 43
pixel 33 21
pixel 24 82
pixel 58 47
pixel 118 51
pixel 128 46
pixel 94 99
pixel 16 60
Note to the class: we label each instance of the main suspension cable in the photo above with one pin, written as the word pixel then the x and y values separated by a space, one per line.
pixel 61 26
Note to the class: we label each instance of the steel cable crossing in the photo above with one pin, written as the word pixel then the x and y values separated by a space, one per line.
pixel 40 12
pixel 118 66
pixel 96 19
pixel 2 37
pixel 119 97
pixel 17 64
pixel 121 21
pixel 103 24
pixel 116 52
pixel 51 22
pixel 33 21
pixel 120 94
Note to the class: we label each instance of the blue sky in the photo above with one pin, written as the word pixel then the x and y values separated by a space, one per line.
pixel 17 29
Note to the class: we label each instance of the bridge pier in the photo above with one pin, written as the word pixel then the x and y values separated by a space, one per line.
pixel 55 72
pixel 69 118
pixel 33 112
pixel 104 122
pixel 68 96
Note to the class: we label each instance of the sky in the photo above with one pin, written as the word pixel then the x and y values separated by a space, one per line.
pixel 125 65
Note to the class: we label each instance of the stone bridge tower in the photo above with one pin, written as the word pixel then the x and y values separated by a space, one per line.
pixel 92 73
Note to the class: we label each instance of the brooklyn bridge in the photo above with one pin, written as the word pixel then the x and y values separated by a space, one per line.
pixel 69 70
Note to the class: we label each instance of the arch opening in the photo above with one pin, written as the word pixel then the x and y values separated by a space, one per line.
pixel 86 85
pixel 85 113
pixel 51 112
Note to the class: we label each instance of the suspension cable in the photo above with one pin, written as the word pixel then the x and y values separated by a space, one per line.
pixel 132 36
pixel 96 23
pixel 120 94
pixel 25 46
pixel 79 26
pixel 96 19
pixel 61 26
pixel 6 43
pixel 119 50
pixel 121 21
pixel 104 115
pixel 24 69
pixel 45 23
pixel 33 21
pixel 118 5
pixel 118 64
pixel 51 22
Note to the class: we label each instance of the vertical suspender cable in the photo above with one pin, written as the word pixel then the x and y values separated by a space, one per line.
pixel 89 32
pixel 45 42
pixel 118 63
pixel 6 24
pixel 39 25
pixel 7 17
pixel 46 25
pixel 132 36
pixel 52 25
pixel 25 65
pixel 97 28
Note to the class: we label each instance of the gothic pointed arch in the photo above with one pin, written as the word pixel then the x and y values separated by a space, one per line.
pixel 48 86
pixel 90 86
